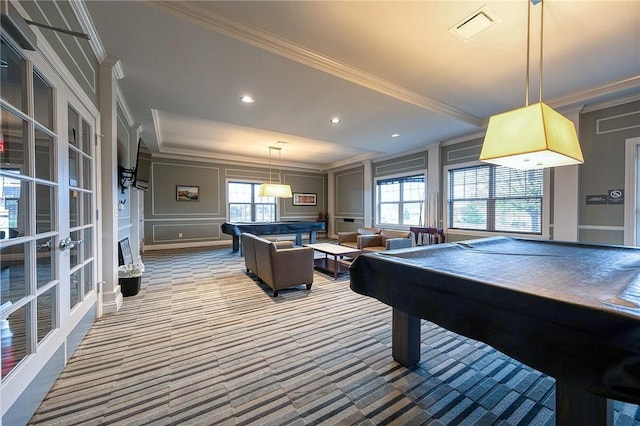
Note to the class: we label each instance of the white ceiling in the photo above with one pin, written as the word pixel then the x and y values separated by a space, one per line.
pixel 383 67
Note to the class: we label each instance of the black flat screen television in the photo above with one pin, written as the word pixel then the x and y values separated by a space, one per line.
pixel 143 169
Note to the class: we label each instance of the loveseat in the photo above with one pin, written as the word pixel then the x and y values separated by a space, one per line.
pixel 387 239
pixel 278 264
pixel 373 239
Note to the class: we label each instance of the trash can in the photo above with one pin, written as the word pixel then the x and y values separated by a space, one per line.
pixel 129 277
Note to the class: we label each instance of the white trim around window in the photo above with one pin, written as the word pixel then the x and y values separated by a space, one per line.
pixel 247 181
pixel 546 207
pixel 374 190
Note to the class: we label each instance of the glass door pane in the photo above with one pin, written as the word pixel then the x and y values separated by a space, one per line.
pixel 81 219
pixel 28 212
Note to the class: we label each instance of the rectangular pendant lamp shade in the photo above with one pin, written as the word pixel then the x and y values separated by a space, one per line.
pixel 534 136
pixel 531 137
pixel 275 190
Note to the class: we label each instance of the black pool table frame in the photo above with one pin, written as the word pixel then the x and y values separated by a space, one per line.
pixel 571 311
pixel 235 229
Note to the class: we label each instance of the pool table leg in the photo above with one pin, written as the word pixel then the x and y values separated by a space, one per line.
pixel 576 406
pixel 405 338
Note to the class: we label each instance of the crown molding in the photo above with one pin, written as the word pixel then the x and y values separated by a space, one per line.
pixel 279 46
pixel 236 160
pixel 606 90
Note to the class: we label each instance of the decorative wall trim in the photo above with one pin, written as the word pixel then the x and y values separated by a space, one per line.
pixel 419 164
pixel 467 153
pixel 149 247
pixel 48 55
pixel 84 18
pixel 322 197
pixel 596 106
pixel 601 127
pixel 338 176
pixel 601 228
pixel 250 174
pixel 209 227
pixel 186 219
pixel 91 80
pixel 153 201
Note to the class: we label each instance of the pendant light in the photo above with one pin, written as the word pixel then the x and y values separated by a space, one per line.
pixel 535 136
pixel 275 189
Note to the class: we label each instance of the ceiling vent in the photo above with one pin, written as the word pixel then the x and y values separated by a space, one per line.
pixel 473 24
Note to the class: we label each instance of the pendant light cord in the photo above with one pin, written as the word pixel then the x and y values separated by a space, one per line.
pixel 541 38
pixel 526 95
pixel 270 148
pixel 526 92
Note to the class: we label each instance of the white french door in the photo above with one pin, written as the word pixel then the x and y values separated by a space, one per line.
pixel 47 215
pixel 632 192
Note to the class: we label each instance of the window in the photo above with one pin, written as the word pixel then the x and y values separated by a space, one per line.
pixel 400 200
pixel 495 198
pixel 246 206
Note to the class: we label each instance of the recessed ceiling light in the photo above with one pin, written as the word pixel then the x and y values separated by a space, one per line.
pixel 395 135
pixel 335 120
pixel 247 99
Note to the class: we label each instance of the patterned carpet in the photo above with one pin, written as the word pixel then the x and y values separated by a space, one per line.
pixel 204 343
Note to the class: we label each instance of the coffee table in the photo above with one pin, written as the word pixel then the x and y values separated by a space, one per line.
pixel 337 265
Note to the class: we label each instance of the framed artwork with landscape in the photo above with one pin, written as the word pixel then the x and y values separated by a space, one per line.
pixel 305 199
pixel 187 193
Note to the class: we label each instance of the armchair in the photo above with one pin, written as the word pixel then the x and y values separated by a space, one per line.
pixel 350 239
pixel 279 265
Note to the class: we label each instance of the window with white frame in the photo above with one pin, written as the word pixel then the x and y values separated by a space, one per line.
pixel 495 199
pixel 245 205
pixel 400 201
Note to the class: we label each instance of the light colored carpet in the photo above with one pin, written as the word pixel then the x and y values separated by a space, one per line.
pixel 205 343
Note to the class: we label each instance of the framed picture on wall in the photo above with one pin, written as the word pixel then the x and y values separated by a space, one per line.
pixel 305 199
pixel 187 193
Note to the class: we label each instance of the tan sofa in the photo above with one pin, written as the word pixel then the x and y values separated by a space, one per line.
pixel 278 264
pixel 386 240
pixel 350 239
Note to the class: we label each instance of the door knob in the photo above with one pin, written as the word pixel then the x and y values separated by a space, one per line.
pixel 68 243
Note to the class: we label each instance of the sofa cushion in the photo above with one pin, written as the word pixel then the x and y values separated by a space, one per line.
pixel 389 233
pixel 368 231
pixel 374 248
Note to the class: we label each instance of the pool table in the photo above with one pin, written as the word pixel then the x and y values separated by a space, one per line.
pixel 235 229
pixel 571 311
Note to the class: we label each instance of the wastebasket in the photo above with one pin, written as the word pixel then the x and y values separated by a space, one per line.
pixel 129 277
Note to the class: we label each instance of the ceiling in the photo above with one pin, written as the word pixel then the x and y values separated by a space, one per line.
pixel 382 67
